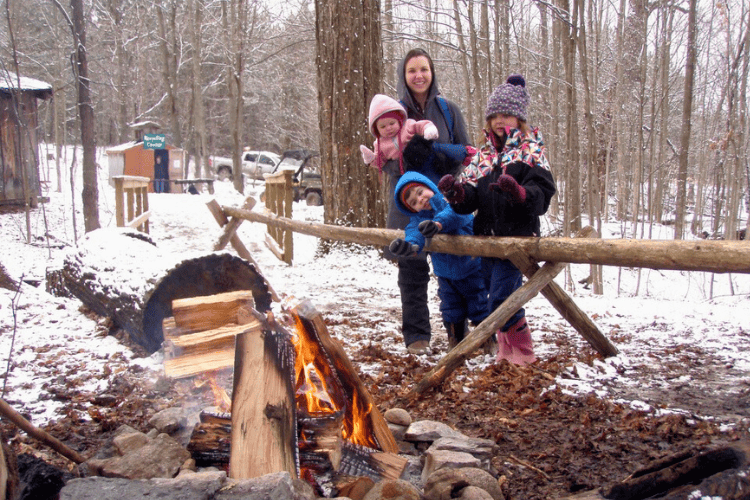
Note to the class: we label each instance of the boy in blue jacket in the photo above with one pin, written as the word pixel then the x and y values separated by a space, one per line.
pixel 461 288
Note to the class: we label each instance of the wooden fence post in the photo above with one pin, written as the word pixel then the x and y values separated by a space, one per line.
pixel 134 190
pixel 279 198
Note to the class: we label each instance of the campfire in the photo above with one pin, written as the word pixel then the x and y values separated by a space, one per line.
pixel 297 404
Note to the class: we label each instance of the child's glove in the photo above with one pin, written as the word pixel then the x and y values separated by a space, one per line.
pixel 508 184
pixel 451 189
pixel 428 228
pixel 431 132
pixel 402 248
pixel 367 154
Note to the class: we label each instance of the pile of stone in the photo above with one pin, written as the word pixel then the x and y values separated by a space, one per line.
pixel 442 464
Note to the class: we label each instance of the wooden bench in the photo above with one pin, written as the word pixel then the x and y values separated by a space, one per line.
pixel 193 182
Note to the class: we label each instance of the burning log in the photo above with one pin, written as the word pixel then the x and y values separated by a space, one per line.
pixel 297 402
pixel 373 430
pixel 264 430
pixel 210 440
pixel 320 440
pixel 123 275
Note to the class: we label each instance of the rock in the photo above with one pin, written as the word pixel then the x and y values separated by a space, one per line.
pixel 160 457
pixel 129 442
pixel 474 493
pixel 429 431
pixel 483 449
pixel 105 400
pixel 439 459
pixel 389 489
pixel 398 431
pixel 277 486
pixel 201 485
pixel 169 421
pixel 444 483
pixel 398 416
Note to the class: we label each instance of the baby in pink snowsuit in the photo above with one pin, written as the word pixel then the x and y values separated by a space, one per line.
pixel 393 131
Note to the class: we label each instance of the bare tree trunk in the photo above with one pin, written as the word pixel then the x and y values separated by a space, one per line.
pixel 235 20
pixel 349 61
pixel 195 11
pixel 640 18
pixel 687 109
pixel 484 35
pixel 90 191
pixel 573 184
pixel 169 69
pixel 470 117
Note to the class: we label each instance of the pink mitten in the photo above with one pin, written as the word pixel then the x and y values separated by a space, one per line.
pixel 367 154
pixel 430 132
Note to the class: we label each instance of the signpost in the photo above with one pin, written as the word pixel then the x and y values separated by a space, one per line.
pixel 154 141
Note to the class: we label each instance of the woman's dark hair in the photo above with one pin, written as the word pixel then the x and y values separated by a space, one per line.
pixel 417 53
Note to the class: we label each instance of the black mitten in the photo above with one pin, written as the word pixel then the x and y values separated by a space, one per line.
pixel 418 154
pixel 428 228
pixel 402 248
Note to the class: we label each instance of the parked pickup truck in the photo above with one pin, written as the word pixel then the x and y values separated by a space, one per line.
pixel 254 165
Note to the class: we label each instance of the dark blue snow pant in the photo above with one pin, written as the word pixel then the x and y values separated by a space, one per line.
pixel 502 278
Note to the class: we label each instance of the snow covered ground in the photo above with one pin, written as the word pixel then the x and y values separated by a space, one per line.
pixel 681 335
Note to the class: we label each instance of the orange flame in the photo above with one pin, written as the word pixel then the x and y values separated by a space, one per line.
pixel 318 390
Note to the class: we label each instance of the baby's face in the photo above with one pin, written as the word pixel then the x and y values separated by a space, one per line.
pixel 418 198
pixel 387 127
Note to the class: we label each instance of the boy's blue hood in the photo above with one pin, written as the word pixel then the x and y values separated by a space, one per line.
pixel 407 178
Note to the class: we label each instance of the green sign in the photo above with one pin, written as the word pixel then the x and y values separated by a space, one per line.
pixel 154 141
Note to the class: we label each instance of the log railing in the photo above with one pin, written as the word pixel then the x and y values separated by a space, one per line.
pixel 131 196
pixel 279 198
pixel 716 256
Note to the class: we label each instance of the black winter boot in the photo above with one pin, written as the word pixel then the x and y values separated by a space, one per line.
pixel 456 333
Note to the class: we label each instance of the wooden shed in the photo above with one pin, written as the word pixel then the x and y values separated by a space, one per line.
pixel 19 141
pixel 132 159
pixel 159 165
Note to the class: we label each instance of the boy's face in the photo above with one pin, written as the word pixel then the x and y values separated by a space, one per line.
pixel 418 198
pixel 498 123
pixel 387 127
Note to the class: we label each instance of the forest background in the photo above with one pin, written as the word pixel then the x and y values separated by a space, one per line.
pixel 643 105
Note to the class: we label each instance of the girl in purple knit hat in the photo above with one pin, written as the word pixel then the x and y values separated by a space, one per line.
pixel 509 185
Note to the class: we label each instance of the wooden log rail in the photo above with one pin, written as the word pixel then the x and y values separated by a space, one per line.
pixel 131 195
pixel 279 198
pixel 716 256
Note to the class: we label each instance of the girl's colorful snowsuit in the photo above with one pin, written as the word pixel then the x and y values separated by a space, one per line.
pixel 461 285
pixel 498 214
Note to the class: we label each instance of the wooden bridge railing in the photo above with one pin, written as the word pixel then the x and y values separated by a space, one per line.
pixel 131 196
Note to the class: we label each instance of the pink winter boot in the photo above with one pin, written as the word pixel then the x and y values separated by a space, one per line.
pixel 515 345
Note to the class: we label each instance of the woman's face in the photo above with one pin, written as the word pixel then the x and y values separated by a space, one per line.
pixel 418 75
